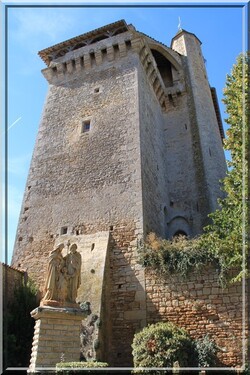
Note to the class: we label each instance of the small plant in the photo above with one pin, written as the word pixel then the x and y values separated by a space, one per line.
pixel 85 306
pixel 75 367
pixel 62 357
pixel 206 352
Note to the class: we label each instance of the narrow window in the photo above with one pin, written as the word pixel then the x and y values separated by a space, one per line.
pixel 128 43
pixel 64 230
pixel 92 58
pixel 104 51
pixel 85 126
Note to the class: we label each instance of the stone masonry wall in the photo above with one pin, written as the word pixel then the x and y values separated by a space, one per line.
pixel 85 182
pixel 127 300
pixel 201 306
pixel 11 279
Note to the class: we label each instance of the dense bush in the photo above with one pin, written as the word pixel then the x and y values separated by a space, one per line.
pixel 75 367
pixel 162 345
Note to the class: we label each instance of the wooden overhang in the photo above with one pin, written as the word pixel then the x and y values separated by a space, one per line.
pixel 60 49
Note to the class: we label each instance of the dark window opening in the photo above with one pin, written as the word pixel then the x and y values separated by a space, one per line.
pixel 64 230
pixel 170 98
pixel 97 89
pixel 85 126
pixel 128 44
pixel 92 246
pixel 92 56
pixel 111 227
pixel 165 68
pixel 116 47
pixel 77 232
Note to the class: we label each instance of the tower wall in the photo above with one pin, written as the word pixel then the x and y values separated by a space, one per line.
pixel 153 157
pixel 83 182
pixel 211 166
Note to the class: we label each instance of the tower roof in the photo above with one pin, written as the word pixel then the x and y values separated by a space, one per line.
pixel 181 32
pixel 82 40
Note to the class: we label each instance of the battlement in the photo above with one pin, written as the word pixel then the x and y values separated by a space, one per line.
pixel 104 46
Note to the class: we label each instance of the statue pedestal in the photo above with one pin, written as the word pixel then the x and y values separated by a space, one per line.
pixel 56 336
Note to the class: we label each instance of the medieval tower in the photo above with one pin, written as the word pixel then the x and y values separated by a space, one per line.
pixel 130 142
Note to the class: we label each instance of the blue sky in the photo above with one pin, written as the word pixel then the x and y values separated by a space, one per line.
pixel 35 27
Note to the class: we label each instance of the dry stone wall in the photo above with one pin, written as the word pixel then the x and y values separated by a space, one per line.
pixel 201 306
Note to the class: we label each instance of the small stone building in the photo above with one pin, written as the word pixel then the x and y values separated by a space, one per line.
pixel 130 142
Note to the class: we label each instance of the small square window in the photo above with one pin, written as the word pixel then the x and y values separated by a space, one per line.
pixel 64 230
pixel 85 126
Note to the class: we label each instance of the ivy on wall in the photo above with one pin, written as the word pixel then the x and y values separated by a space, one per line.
pixel 178 256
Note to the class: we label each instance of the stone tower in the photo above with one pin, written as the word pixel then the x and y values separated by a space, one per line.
pixel 130 142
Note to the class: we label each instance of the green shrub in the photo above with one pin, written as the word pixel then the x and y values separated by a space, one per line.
pixel 75 367
pixel 162 345
pixel 179 256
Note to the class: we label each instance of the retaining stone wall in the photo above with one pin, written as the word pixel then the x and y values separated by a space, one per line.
pixel 201 306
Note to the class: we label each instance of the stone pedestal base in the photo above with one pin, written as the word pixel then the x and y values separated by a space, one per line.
pixel 56 336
